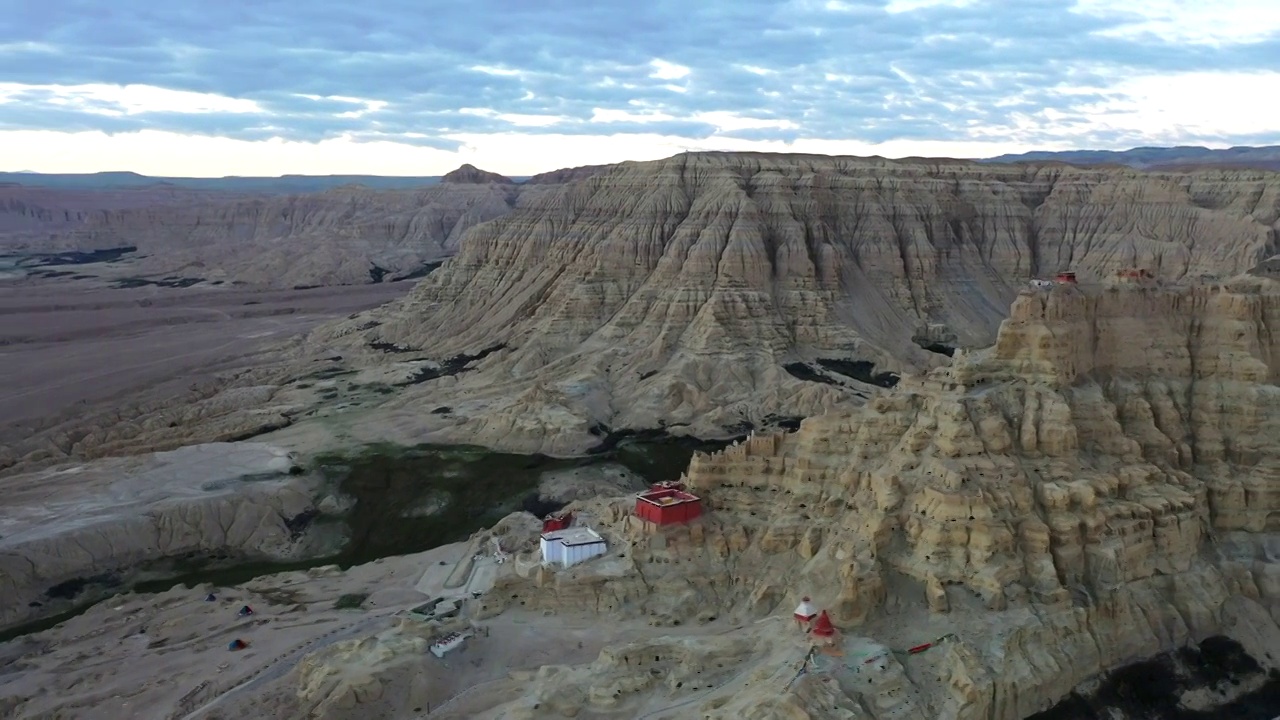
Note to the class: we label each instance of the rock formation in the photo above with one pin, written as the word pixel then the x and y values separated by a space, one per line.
pixel 1158 158
pixel 1100 486
pixel 567 175
pixel 707 294
pixel 710 293
pixel 348 235
pixel 470 174
pixel 28 214
pixel 72 527
pixel 344 236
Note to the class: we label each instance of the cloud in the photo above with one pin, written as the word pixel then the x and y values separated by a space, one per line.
pixel 441 75
pixel 1187 21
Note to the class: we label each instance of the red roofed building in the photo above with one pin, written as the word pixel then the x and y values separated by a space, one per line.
pixel 824 629
pixel 557 521
pixel 668 504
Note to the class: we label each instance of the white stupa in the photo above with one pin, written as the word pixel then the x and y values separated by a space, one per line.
pixel 805 611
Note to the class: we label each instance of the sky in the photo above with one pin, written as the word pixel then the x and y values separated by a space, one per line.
pixel 418 87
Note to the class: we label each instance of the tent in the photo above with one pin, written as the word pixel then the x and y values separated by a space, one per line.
pixel 237 644
pixel 210 597
pixel 246 610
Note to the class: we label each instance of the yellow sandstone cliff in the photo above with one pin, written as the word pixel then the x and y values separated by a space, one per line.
pixel 703 292
pixel 1101 485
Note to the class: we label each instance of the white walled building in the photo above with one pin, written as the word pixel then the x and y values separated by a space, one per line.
pixel 571 546
pixel 449 642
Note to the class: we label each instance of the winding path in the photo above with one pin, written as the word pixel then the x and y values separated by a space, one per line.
pixel 282 664
pixel 285 662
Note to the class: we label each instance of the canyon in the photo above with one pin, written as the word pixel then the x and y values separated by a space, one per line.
pixel 1096 488
pixel 1048 481
pixel 711 294
pixel 346 235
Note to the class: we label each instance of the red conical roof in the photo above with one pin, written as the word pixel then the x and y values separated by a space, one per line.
pixel 823 626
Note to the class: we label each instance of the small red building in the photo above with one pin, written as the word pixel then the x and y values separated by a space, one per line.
pixel 668 504
pixel 1066 277
pixel 824 629
pixel 557 521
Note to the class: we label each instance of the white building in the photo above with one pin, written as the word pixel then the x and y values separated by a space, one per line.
pixel 571 546
pixel 452 641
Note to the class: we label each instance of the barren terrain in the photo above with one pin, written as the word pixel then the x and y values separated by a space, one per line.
pixel 65 343
pixel 1003 488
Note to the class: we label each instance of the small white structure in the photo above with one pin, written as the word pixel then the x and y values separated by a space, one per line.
pixel 571 546
pixel 1042 284
pixel 805 613
pixel 449 642
pixel 805 610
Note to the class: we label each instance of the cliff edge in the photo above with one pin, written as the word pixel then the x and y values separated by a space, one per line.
pixel 715 293
pixel 1099 487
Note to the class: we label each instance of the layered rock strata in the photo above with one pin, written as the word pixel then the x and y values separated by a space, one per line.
pixel 348 235
pixel 343 236
pixel 712 293
pixel 75 527
pixel 1100 486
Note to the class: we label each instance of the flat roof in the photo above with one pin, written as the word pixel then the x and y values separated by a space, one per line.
pixel 667 497
pixel 574 536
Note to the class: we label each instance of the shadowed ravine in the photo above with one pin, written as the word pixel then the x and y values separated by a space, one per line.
pixel 455 490
pixel 1230 685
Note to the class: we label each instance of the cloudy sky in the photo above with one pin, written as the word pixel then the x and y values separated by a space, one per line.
pixel 416 87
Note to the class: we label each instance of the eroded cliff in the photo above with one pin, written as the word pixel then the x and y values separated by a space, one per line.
pixel 348 235
pixel 708 294
pixel 712 292
pixel 343 236
pixel 78 527
pixel 1101 486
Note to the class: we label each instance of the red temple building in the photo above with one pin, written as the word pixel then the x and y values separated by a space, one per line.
pixel 557 521
pixel 668 504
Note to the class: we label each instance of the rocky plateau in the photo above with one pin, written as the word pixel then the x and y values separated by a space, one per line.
pixel 1097 488
pixel 711 294
pixel 1100 486
pixel 1045 484
pixel 63 530
pixel 343 236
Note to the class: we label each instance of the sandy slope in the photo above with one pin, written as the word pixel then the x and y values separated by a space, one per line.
pixel 166 656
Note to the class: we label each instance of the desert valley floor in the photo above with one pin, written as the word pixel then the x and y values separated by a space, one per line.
pixel 1009 427
pixel 63 343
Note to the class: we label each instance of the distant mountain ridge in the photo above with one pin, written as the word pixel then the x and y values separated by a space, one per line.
pixel 282 185
pixel 285 184
pixel 1183 157
pixel 349 234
